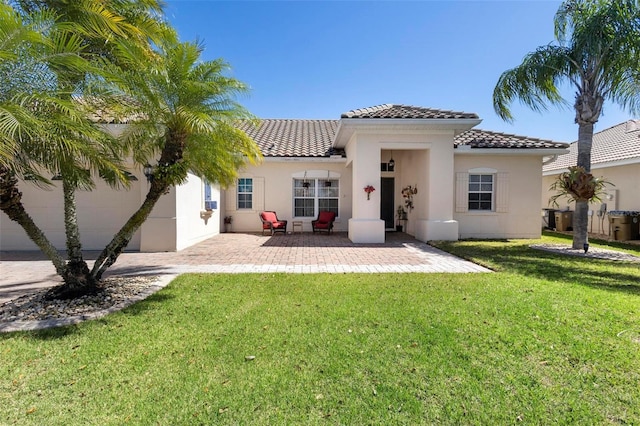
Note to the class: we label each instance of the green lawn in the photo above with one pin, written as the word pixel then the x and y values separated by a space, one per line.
pixel 546 340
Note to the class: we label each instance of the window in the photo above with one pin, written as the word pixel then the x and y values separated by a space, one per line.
pixel 313 195
pixel 209 202
pixel 245 193
pixel 481 192
pixel 387 167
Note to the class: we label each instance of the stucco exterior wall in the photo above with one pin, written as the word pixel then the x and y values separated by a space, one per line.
pixel 179 219
pixel 273 190
pixel 423 160
pixel 517 192
pixel 101 213
pixel 411 169
pixel 193 223
pixel 624 195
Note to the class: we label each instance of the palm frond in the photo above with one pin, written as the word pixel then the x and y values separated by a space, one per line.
pixel 534 82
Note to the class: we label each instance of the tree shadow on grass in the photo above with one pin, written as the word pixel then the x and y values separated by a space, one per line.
pixel 147 304
pixel 521 259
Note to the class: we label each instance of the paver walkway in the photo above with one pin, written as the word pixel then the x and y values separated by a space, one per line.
pixel 22 272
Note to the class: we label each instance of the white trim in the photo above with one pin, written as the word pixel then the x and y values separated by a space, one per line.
pixel 617 163
pixel 482 170
pixel 331 159
pixel 493 191
pixel 348 126
pixel 511 151
pixel 315 174
pixel 442 123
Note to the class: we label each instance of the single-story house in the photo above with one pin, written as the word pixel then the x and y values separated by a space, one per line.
pixel 615 155
pixel 452 181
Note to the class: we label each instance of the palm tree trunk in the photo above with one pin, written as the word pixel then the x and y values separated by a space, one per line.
pixel 172 154
pixel 77 279
pixel 581 214
pixel 585 140
pixel 111 252
pixel 11 205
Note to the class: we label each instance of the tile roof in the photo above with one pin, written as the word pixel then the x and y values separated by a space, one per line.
pixel 620 142
pixel 294 138
pixel 313 138
pixel 476 138
pixel 406 111
pixel 99 111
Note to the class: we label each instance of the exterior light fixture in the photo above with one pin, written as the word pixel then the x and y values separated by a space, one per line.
pixel 148 172
pixel 391 164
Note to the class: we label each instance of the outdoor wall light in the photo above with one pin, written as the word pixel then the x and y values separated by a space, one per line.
pixel 148 172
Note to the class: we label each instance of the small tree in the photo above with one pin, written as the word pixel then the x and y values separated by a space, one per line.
pixel 597 51
pixel 188 121
pixel 36 114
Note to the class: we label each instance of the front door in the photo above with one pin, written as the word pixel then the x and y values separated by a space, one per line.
pixel 387 195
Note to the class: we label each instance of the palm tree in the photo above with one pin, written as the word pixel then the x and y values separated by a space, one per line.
pixel 597 52
pixel 189 123
pixel 35 113
pixel 91 27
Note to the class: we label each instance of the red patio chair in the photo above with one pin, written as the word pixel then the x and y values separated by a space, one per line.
pixel 271 222
pixel 324 222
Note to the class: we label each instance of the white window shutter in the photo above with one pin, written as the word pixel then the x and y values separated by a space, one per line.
pixel 258 194
pixel 502 193
pixel 462 192
pixel 232 198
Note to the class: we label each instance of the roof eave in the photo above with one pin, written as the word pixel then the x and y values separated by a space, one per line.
pixel 596 166
pixel 301 159
pixel 510 151
pixel 348 126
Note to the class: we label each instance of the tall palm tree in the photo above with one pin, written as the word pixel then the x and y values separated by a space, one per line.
pixel 188 122
pixel 597 52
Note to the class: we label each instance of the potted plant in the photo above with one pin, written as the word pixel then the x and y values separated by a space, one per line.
pixel 227 223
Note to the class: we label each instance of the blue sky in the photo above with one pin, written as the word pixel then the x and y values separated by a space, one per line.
pixel 311 59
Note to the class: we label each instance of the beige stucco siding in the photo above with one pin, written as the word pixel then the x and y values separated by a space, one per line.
pixel 179 219
pixel 625 192
pixel 516 208
pixel 273 190
pixel 624 195
pixel 193 222
pixel 101 213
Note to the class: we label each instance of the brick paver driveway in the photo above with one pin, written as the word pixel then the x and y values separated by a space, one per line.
pixel 21 272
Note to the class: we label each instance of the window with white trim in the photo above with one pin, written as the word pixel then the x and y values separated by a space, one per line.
pixel 245 193
pixel 209 202
pixel 481 192
pixel 313 195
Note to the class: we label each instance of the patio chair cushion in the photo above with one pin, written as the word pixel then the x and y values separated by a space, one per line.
pixel 324 221
pixel 270 221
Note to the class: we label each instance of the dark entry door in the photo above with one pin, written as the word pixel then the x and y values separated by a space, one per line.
pixel 387 196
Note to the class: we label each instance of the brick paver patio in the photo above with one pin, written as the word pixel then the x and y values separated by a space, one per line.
pixel 22 272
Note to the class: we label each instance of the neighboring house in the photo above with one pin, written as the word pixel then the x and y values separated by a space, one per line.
pixel 461 183
pixel 615 155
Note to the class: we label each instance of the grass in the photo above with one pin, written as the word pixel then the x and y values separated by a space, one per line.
pixel 547 339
